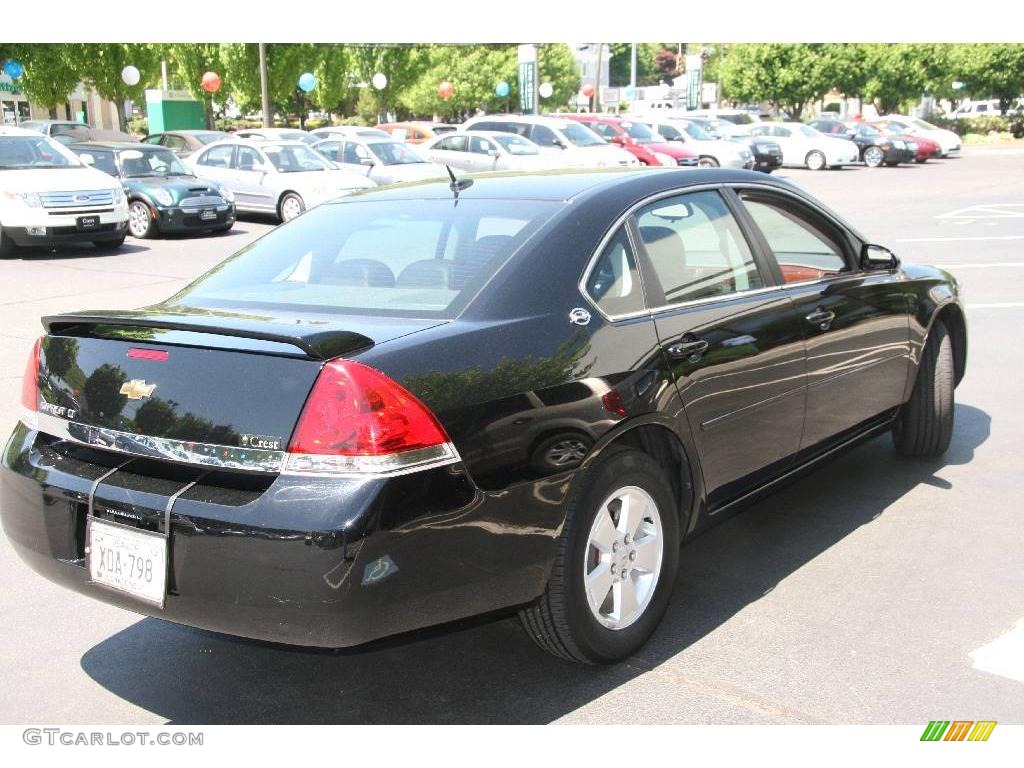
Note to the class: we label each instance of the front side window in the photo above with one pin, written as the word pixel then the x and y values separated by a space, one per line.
pixel 543 136
pixel 329 149
pixel 581 136
pixel 248 159
pixel 605 130
pixel 696 248
pixel 395 153
pixel 104 161
pixel 516 145
pixel 614 282
pixel 481 146
pixel 295 158
pixel 801 247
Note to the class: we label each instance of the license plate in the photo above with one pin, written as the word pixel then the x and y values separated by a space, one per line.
pixel 88 222
pixel 128 560
pixel 208 213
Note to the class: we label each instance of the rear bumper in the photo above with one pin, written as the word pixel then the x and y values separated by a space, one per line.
pixel 304 561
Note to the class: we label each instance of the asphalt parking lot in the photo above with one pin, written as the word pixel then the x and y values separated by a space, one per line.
pixel 876 590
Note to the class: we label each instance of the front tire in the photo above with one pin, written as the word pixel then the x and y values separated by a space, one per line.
pixel 615 566
pixel 140 220
pixel 707 162
pixel 291 205
pixel 112 244
pixel 815 160
pixel 6 245
pixel 924 427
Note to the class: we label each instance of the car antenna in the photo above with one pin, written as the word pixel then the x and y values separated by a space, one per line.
pixel 457 185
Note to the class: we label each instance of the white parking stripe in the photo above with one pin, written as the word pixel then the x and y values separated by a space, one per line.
pixel 998 305
pixel 1004 656
pixel 957 239
pixel 978 266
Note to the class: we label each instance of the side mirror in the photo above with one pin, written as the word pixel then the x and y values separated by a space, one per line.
pixel 492 152
pixel 86 158
pixel 620 140
pixel 260 167
pixel 366 161
pixel 877 257
pixel 560 144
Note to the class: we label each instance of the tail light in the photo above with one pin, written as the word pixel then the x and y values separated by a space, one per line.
pixel 613 403
pixel 357 420
pixel 30 384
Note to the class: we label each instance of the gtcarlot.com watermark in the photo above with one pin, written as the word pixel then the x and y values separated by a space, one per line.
pixel 73 738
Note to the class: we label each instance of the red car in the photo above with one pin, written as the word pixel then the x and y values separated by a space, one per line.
pixel 637 139
pixel 925 147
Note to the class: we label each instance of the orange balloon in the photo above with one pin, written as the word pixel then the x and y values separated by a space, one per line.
pixel 210 82
pixel 445 90
pixel 588 90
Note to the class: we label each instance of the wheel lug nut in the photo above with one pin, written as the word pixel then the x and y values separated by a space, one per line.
pixel 626 539
pixel 615 546
pixel 613 570
pixel 632 555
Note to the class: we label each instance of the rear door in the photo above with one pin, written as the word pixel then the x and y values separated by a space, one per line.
pixel 856 323
pixel 730 336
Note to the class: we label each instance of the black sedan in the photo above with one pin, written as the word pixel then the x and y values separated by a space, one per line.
pixel 876 148
pixel 163 195
pixel 345 430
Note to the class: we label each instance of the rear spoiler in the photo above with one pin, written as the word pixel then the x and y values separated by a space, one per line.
pixel 320 344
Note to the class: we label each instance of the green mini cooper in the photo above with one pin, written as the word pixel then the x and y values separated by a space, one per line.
pixel 163 195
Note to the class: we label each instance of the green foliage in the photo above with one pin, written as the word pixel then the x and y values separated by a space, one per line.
pixel 474 71
pixel 619 65
pixel 558 67
pixel 52 70
pixel 286 62
pixel 787 74
pixel 990 70
pixel 101 66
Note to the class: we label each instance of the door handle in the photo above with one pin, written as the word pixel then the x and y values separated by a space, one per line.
pixel 687 350
pixel 821 318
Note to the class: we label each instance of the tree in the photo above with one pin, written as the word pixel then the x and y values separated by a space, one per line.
pixel 286 62
pixel 192 61
pixel 52 71
pixel 102 64
pixel 994 70
pixel 789 75
pixel 474 71
pixel 402 65
pixel 620 63
pixel 896 74
pixel 666 64
pixel 558 67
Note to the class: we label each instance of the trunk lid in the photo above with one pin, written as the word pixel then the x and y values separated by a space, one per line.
pixel 216 379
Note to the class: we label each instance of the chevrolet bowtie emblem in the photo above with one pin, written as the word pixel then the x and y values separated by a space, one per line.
pixel 136 389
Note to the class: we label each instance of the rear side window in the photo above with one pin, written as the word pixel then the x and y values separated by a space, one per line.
pixel 422 258
pixel 696 248
pixel 614 281
pixel 801 246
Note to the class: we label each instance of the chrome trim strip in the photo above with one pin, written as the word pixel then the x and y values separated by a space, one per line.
pixel 242 459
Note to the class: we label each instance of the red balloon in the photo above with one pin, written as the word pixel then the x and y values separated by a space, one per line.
pixel 445 90
pixel 588 90
pixel 211 82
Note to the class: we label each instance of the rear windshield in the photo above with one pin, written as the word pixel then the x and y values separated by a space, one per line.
pixel 424 258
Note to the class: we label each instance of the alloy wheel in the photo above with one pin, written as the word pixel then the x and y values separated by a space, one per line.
pixel 623 557
pixel 568 452
pixel 138 219
pixel 873 157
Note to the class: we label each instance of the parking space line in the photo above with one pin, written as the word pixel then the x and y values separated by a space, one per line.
pixel 957 239
pixel 1004 656
pixel 998 305
pixel 992 265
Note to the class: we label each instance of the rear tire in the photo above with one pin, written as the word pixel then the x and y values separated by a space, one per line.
pixel 815 160
pixel 568 623
pixel 707 162
pixel 291 205
pixel 924 427
pixel 6 245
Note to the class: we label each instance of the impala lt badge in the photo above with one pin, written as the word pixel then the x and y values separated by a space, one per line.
pixel 136 389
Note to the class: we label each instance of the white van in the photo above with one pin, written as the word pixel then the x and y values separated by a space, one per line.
pixel 570 144
pixel 49 197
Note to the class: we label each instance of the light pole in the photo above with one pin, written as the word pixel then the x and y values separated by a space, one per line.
pixel 264 88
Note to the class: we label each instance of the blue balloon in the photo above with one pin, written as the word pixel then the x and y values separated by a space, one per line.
pixel 630 92
pixel 501 89
pixel 13 69
pixel 307 82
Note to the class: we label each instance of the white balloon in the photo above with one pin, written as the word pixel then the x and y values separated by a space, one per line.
pixel 130 75
pixel 379 81
pixel 545 90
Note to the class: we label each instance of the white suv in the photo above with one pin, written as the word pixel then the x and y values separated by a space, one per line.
pixel 571 144
pixel 49 197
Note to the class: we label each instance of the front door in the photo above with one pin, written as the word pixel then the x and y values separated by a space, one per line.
pixel 856 323
pixel 250 174
pixel 730 337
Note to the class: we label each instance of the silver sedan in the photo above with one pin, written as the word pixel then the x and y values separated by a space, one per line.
pixel 478 151
pixel 384 160
pixel 279 177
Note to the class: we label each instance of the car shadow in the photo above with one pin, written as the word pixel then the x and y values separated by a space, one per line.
pixel 75 251
pixel 488 671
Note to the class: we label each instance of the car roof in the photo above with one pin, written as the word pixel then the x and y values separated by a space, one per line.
pixel 567 185
pixel 47 121
pixel 12 130
pixel 549 120
pixel 115 145
pixel 254 143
